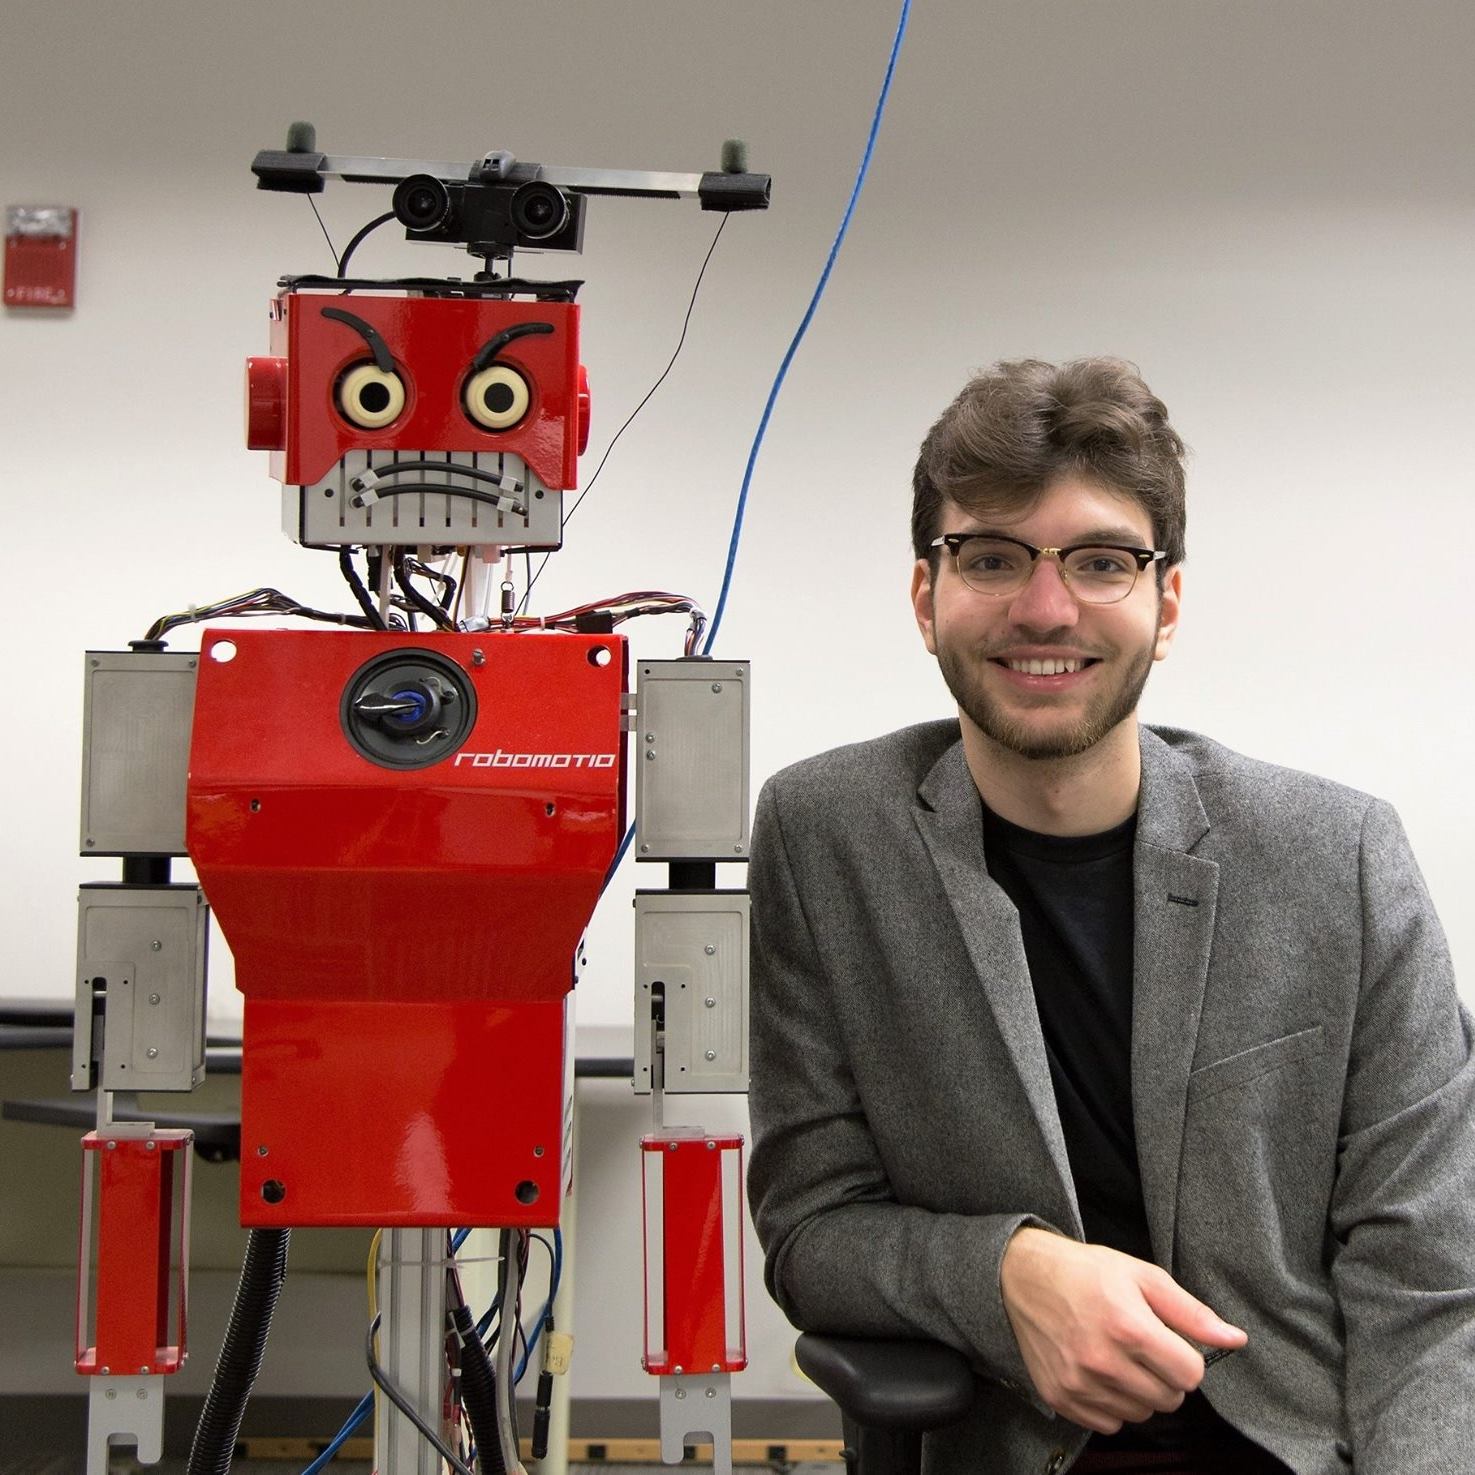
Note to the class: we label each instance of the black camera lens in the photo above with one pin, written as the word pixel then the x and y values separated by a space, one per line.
pixel 538 210
pixel 421 202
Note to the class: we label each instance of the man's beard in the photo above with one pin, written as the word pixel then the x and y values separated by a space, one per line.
pixel 1104 711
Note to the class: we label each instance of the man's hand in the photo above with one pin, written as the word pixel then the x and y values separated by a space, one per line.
pixel 1107 1339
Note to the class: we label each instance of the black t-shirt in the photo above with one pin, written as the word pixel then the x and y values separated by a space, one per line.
pixel 1074 898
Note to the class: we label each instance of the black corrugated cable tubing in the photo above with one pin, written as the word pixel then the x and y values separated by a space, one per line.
pixel 478 1394
pixel 240 1354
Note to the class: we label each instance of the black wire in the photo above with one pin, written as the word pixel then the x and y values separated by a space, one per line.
pixel 427 607
pixel 353 245
pixel 326 236
pixel 361 594
pixel 438 487
pixel 446 582
pixel 551 1263
pixel 403 1404
pixel 685 324
pixel 474 472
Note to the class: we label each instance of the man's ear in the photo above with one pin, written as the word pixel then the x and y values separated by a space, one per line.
pixel 922 606
pixel 1168 610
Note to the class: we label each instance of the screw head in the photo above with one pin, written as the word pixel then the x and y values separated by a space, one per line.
pixel 153 998
pixel 678 1371
pixel 261 1150
pixel 650 737
pixel 91 843
pixel 156 946
pixel 537 1152
pixel 644 849
pixel 649 754
pixel 111 1146
pixel 143 1370
pixel 670 1147
pixel 716 686
pixel 153 1052
pixel 709 949
pixel 710 1002
pixel 711 1054
pixel 681 1392
pixel 143 1392
pixel 149 1146
pixel 737 849
pixel 478 658
pixel 711 1146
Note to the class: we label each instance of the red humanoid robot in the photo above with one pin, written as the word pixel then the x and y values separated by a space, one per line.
pixel 403 831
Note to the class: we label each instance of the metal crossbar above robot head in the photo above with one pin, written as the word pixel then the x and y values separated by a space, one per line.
pixel 498 203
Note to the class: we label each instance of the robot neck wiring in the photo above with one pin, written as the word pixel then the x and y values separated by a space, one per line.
pixel 441 576
pixel 614 439
pixel 360 593
pixel 425 606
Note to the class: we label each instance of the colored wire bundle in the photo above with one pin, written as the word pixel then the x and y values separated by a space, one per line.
pixel 616 610
pixel 255 602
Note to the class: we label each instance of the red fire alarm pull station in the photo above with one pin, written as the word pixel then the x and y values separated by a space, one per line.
pixel 40 256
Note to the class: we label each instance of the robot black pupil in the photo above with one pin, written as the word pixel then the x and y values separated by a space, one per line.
pixel 498 398
pixel 374 398
pixel 422 203
pixel 539 211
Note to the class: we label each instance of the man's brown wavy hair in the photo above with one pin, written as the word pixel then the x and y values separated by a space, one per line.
pixel 1020 425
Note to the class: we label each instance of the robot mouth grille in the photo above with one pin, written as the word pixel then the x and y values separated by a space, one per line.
pixel 409 497
pixel 434 510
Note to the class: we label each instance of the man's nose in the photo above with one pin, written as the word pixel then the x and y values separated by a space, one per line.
pixel 1045 602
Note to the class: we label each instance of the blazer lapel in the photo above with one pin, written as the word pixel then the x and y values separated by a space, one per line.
pixel 950 819
pixel 1175 895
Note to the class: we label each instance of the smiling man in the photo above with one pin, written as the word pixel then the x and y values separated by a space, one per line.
pixel 1129 1066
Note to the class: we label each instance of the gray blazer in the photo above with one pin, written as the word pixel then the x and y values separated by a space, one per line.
pixel 1302 1082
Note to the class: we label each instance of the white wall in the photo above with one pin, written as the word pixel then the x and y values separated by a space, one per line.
pixel 1266 204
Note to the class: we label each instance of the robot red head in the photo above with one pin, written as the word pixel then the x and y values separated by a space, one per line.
pixel 469 411
pixel 452 412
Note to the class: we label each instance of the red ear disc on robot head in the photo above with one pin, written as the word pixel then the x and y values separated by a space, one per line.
pixel 369 397
pixel 497 398
pixel 266 404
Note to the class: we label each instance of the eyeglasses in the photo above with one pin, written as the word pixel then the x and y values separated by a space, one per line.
pixel 1095 573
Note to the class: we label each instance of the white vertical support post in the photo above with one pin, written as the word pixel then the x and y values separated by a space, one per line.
pixel 556 1462
pixel 412 1332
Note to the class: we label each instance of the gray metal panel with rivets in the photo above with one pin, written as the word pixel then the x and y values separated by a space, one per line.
pixel 691 760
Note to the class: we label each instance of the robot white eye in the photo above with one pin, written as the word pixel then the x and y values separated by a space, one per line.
pixel 497 397
pixel 369 397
